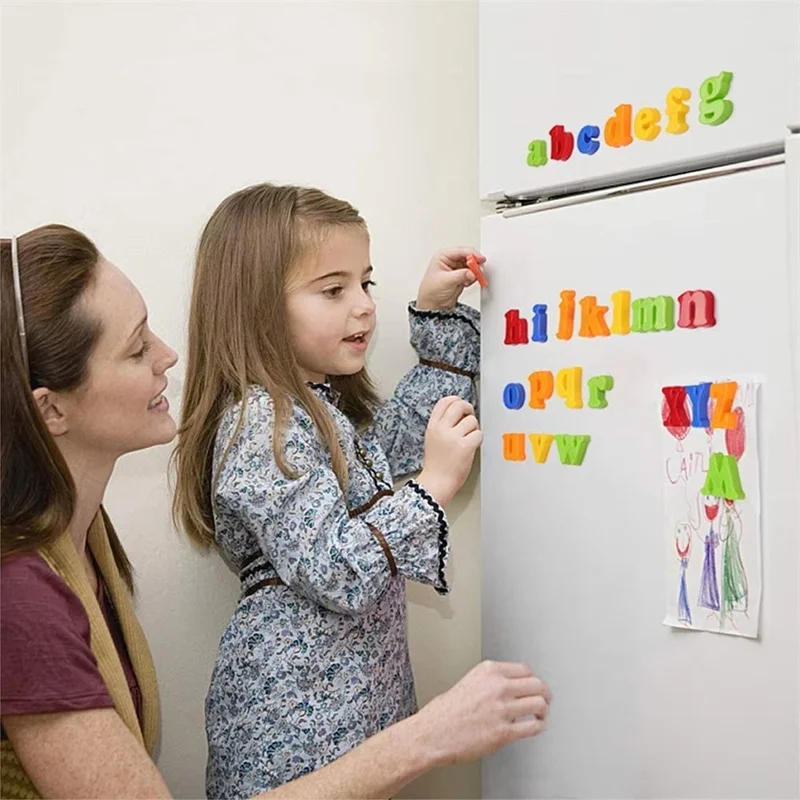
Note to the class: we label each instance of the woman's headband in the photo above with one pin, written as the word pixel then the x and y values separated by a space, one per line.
pixel 18 298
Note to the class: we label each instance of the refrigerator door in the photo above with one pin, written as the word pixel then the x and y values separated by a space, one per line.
pixel 553 63
pixel 575 557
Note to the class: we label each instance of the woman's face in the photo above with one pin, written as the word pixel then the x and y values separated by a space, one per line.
pixel 121 406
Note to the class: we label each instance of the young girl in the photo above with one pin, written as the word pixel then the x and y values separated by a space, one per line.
pixel 286 461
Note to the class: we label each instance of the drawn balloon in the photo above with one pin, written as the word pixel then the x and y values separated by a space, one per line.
pixel 735 437
pixel 679 432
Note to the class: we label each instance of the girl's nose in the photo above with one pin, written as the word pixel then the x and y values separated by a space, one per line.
pixel 365 307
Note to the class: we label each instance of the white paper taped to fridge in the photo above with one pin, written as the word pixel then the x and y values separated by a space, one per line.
pixel 712 520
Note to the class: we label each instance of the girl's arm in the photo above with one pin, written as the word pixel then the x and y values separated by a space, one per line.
pixel 339 557
pixel 448 345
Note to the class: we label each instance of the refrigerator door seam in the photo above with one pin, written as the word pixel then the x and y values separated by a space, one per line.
pixel 636 176
pixel 659 183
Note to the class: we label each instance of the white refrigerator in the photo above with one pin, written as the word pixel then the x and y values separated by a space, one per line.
pixel 581 576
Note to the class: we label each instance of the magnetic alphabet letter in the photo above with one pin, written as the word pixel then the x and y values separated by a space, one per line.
pixel 653 314
pixel 514 396
pixel 516 328
pixel 587 140
pixel 676 416
pixel 723 478
pixel 561 143
pixel 537 153
pixel 540 443
pixel 724 394
pixel 715 108
pixel 566 309
pixel 645 124
pixel 696 309
pixel 621 314
pixel 568 386
pixel 598 386
pixel 618 128
pixel 539 323
pixel 677 110
pixel 571 449
pixel 593 318
pixel 514 446
pixel 541 388
pixel 699 394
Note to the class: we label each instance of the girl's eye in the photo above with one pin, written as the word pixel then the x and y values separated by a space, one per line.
pixel 141 354
pixel 334 291
pixel 367 285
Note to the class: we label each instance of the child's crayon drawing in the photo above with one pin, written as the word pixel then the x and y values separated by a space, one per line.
pixel 712 506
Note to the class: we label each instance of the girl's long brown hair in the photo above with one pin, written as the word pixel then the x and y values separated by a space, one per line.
pixel 238 336
pixel 37 500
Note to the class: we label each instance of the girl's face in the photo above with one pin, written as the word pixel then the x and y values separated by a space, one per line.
pixel 330 312
pixel 121 405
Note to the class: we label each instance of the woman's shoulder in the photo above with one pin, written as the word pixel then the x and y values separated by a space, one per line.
pixel 46 661
pixel 32 593
pixel 22 570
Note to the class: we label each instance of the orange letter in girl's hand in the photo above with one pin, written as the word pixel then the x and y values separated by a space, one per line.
pixel 474 268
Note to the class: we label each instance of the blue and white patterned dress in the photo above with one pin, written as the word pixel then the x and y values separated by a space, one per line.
pixel 314 659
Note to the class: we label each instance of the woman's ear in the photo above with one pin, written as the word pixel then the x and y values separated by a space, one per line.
pixel 50 408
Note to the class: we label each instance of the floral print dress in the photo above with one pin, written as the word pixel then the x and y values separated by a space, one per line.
pixel 314 659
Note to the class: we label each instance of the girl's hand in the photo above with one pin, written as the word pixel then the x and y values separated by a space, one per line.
pixel 451 440
pixel 446 277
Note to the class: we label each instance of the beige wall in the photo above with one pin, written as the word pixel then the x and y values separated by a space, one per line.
pixel 133 120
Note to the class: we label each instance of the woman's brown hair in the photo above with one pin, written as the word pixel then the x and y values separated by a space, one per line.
pixel 56 266
pixel 238 336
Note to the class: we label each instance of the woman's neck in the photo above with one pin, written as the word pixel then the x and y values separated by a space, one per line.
pixel 90 474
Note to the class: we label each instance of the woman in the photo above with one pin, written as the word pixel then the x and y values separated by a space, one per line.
pixel 83 380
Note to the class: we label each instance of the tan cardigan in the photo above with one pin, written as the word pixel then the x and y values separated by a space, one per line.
pixel 63 558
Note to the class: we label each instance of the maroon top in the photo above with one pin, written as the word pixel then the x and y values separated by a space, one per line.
pixel 46 659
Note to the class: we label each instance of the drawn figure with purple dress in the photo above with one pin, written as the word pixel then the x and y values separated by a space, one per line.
pixel 734 579
pixel 683 546
pixel 709 588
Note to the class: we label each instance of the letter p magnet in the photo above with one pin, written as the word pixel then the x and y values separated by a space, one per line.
pixel 541 388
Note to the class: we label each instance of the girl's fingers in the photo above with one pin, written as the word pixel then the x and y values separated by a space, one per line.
pixel 467 425
pixel 456 412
